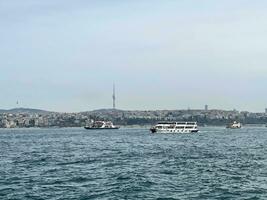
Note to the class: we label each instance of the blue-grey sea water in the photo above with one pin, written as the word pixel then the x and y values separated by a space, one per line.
pixel 84 164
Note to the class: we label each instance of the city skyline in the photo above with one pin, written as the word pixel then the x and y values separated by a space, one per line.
pixel 64 56
pixel 21 110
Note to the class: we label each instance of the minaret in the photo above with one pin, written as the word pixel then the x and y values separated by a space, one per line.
pixel 114 97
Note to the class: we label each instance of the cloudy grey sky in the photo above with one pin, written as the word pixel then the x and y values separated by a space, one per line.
pixel 64 55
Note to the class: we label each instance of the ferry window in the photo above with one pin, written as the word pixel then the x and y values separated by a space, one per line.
pixel 189 127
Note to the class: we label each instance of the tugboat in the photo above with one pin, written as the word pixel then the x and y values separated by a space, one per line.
pixel 101 125
pixel 175 127
pixel 234 125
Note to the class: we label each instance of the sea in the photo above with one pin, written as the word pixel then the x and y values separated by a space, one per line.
pixel 131 163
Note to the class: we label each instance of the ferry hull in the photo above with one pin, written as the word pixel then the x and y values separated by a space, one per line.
pixel 153 130
pixel 89 128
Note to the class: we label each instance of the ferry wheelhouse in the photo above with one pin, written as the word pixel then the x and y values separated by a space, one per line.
pixel 175 127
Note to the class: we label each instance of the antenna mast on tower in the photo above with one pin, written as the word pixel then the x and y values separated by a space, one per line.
pixel 114 97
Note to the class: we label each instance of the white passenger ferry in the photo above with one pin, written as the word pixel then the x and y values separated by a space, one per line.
pixel 175 127
pixel 102 125
pixel 234 125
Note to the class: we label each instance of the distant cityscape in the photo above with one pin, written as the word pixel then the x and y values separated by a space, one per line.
pixel 26 118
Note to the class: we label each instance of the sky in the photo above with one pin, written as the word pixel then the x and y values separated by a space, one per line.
pixel 65 55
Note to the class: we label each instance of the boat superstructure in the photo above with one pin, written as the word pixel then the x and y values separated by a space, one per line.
pixel 234 125
pixel 175 127
pixel 101 125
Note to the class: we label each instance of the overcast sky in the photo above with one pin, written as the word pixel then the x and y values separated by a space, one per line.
pixel 64 55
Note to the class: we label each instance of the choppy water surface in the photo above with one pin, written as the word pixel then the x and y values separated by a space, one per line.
pixel 133 164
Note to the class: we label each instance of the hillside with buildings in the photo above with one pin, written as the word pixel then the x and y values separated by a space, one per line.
pixel 39 118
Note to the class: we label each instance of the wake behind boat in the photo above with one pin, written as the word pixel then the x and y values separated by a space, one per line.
pixel 101 125
pixel 175 127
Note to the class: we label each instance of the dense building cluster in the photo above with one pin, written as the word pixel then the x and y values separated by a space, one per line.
pixel 120 117
pixel 19 120
pixel 203 117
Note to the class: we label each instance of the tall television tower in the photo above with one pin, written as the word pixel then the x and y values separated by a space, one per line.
pixel 114 97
